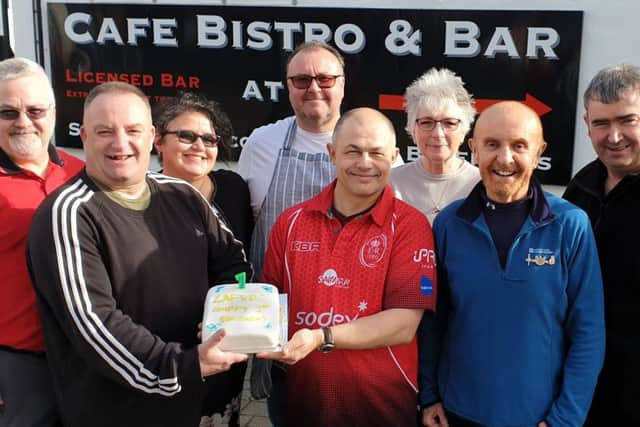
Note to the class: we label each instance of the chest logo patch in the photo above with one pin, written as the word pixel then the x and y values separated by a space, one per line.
pixel 330 278
pixel 540 257
pixel 302 246
pixel 373 250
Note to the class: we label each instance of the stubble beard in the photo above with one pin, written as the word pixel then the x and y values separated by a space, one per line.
pixel 26 148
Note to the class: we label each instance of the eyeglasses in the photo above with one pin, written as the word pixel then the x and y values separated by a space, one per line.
pixel 324 81
pixel 33 113
pixel 448 124
pixel 189 137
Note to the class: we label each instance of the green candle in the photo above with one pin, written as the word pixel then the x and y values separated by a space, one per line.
pixel 241 278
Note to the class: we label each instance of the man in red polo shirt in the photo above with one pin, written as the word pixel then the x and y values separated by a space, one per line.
pixel 359 268
pixel 30 169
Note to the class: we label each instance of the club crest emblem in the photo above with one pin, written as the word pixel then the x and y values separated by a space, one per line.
pixel 373 251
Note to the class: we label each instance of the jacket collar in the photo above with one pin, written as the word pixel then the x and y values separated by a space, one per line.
pixel 591 179
pixel 539 211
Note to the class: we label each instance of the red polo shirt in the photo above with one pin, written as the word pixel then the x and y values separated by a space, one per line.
pixel 21 192
pixel 333 274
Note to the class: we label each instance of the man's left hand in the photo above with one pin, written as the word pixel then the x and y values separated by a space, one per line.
pixel 542 424
pixel 297 348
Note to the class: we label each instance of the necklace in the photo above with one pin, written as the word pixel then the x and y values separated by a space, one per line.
pixel 437 204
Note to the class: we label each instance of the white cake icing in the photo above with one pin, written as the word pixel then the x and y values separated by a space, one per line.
pixel 250 316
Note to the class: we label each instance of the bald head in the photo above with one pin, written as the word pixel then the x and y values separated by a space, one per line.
pixel 512 116
pixel 363 150
pixel 507 144
pixel 366 117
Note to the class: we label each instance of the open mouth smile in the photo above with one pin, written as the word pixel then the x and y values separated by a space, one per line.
pixel 504 174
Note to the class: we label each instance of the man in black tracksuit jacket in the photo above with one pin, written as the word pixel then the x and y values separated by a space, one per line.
pixel 121 261
pixel 608 189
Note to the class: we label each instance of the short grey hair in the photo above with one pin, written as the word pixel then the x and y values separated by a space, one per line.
pixel 116 87
pixel 315 45
pixel 433 90
pixel 612 83
pixel 15 68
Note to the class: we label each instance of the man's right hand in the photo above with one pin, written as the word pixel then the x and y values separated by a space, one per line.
pixel 433 416
pixel 212 359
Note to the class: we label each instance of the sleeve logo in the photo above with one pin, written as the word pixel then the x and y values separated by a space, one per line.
pixel 426 285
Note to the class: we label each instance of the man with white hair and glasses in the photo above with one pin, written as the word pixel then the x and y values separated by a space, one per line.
pixel 30 169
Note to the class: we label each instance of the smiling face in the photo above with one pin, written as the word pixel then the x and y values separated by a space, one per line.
pixel 117 137
pixel 26 139
pixel 363 152
pixel 190 162
pixel 316 109
pixel 614 130
pixel 438 146
pixel 507 145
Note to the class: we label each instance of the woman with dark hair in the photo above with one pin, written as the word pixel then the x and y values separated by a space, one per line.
pixel 192 132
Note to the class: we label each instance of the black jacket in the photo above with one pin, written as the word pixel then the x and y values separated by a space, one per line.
pixel 121 293
pixel 615 218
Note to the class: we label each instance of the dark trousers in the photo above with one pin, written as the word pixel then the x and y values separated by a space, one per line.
pixel 277 400
pixel 26 391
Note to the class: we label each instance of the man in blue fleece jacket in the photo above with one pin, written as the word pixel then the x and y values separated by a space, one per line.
pixel 518 337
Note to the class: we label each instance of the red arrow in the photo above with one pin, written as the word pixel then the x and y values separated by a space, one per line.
pixel 396 103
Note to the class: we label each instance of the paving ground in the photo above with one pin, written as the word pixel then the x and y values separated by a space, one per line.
pixel 253 413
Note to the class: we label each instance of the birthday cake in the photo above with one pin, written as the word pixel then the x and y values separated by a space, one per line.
pixel 250 315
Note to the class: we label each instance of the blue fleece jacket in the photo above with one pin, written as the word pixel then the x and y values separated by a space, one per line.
pixel 512 347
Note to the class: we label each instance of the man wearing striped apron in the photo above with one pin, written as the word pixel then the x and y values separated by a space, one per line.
pixel 286 162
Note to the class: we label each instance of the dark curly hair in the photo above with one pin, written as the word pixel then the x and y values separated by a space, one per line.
pixel 168 109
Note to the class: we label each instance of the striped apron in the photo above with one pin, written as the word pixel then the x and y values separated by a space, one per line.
pixel 297 177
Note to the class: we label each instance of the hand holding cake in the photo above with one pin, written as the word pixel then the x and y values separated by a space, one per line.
pixel 212 359
pixel 303 342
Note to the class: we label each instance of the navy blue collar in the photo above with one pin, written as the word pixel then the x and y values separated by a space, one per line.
pixel 9 167
pixel 540 212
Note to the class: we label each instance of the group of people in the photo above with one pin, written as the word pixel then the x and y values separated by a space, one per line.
pixel 435 293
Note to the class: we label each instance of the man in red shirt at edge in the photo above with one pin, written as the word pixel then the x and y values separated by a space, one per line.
pixel 30 169
pixel 359 268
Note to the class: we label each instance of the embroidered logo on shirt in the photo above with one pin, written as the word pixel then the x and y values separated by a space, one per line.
pixel 373 251
pixel 301 246
pixel 330 278
pixel 199 233
pixel 540 257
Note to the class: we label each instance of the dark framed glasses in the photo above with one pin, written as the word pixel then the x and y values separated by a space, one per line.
pixel 190 137
pixel 33 113
pixel 428 124
pixel 324 81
